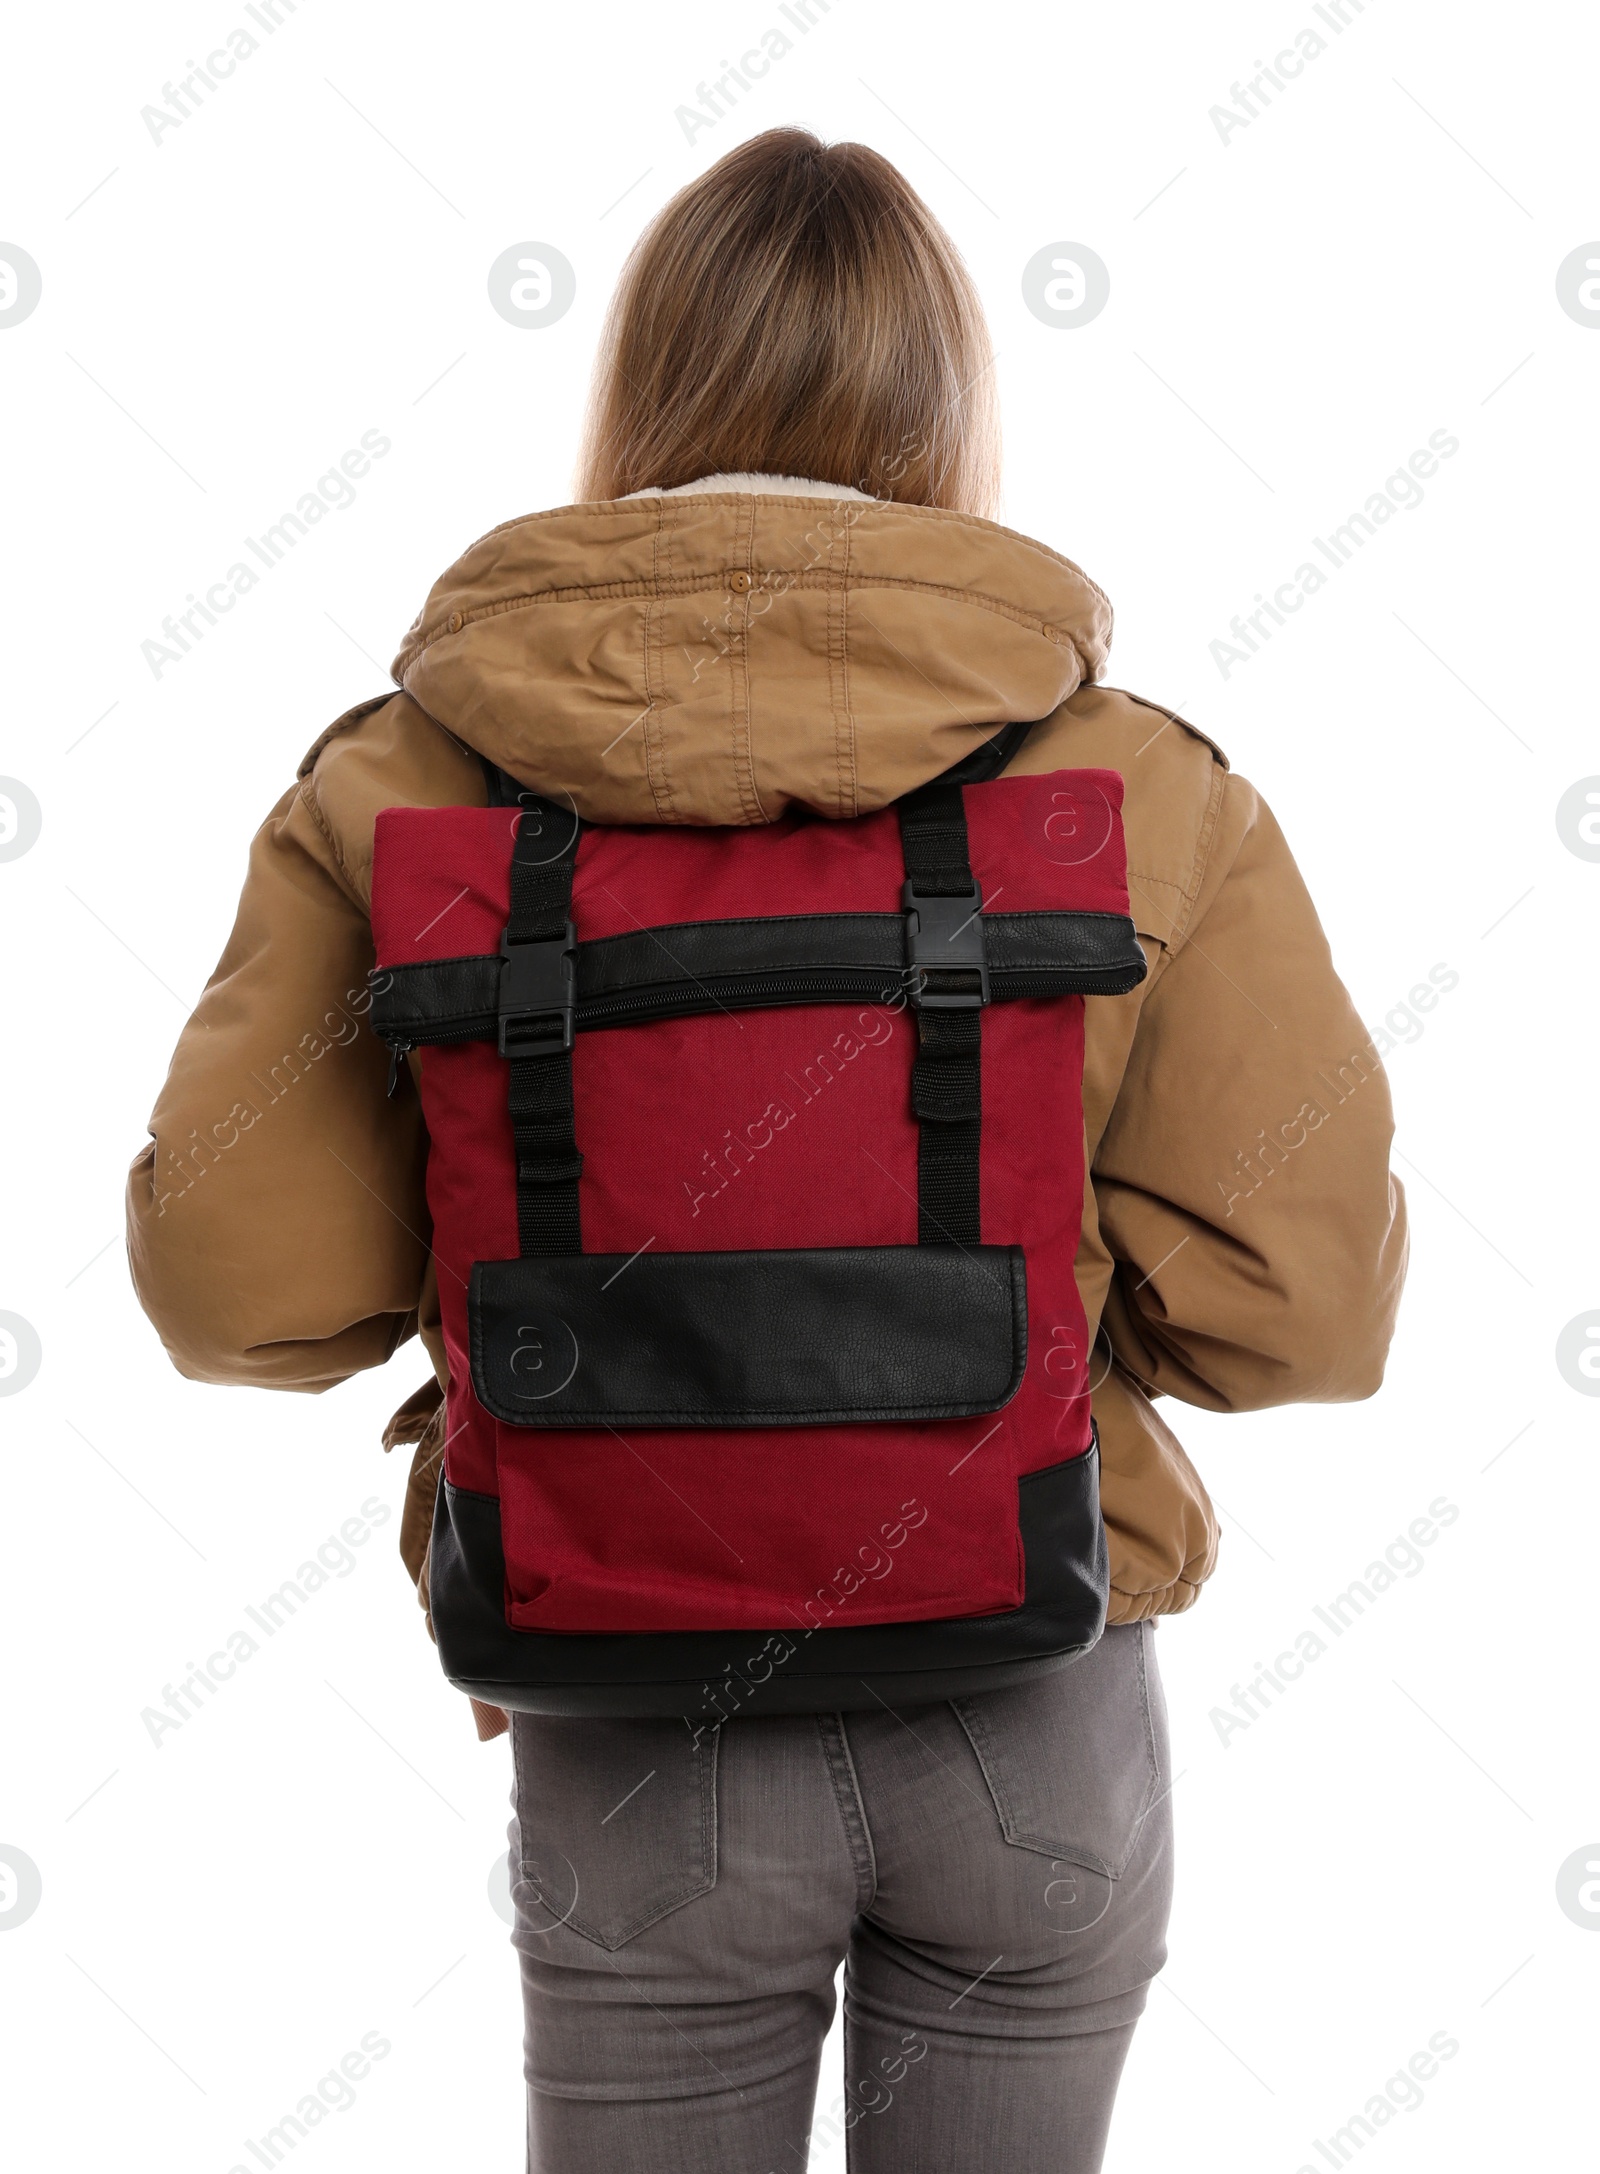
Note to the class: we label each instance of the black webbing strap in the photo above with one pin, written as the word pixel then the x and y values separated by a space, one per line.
pixel 535 1026
pixel 948 987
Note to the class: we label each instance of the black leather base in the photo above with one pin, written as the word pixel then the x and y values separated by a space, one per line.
pixel 707 1676
pixel 810 1336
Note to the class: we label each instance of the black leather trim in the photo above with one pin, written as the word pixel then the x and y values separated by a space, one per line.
pixel 818 1336
pixel 1089 944
pixel 437 1000
pixel 757 944
pixel 685 967
pixel 705 1676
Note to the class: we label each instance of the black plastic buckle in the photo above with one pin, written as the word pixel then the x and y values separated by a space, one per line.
pixel 538 989
pixel 948 964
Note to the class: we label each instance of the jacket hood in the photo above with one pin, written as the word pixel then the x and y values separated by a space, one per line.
pixel 720 653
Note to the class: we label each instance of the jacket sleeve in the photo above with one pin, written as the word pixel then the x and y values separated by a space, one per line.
pixel 1243 1180
pixel 277 1229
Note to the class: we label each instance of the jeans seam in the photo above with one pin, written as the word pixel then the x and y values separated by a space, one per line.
pixel 849 2052
pixel 1152 1795
pixel 846 1785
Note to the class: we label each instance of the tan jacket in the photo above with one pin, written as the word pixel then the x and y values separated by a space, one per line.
pixel 713 655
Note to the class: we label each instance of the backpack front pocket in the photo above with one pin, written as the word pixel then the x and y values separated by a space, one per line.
pixel 818 1336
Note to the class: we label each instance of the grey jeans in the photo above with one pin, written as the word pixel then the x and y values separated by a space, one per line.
pixel 995 1875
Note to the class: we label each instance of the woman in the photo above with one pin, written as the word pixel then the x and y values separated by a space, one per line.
pixel 796 375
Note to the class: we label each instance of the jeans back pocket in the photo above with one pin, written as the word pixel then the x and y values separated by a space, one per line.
pixel 616 1822
pixel 1076 1760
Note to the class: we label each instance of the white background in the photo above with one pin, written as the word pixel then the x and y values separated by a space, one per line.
pixel 1292 313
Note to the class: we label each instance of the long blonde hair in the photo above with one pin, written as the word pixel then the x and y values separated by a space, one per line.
pixel 796 311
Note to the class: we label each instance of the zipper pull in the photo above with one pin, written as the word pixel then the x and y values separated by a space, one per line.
pixel 397 1051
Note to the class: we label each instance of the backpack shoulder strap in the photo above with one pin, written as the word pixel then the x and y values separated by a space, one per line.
pixel 504 791
pixel 987 760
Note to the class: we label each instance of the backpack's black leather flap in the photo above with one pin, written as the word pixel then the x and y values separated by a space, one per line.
pixel 828 1336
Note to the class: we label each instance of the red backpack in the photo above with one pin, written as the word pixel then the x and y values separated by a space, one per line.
pixel 756 1174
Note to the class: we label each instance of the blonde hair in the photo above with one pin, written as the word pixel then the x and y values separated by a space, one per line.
pixel 796 311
